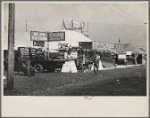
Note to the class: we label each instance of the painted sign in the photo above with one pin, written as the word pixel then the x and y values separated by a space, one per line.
pixel 38 36
pixel 56 36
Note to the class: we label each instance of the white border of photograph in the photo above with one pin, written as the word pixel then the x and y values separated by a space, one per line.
pixel 50 106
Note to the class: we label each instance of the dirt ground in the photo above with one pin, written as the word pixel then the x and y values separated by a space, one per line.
pixel 115 82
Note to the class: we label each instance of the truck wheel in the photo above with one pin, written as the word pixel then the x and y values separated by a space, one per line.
pixel 38 68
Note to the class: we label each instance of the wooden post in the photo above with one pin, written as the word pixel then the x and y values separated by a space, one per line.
pixel 47 46
pixel 11 30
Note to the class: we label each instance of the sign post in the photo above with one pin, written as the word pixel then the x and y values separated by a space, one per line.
pixel 11 30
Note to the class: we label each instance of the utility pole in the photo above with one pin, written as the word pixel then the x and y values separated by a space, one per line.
pixel 11 31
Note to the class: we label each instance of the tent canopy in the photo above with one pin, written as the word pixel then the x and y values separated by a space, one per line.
pixel 130 47
pixel 22 39
pixel 73 38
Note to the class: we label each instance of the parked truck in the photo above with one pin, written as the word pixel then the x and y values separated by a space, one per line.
pixel 41 60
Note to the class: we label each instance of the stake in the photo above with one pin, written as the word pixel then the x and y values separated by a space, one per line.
pixel 11 28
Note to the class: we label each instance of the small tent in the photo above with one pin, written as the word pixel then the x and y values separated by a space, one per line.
pixel 138 52
pixel 130 47
pixel 69 67
pixel 119 47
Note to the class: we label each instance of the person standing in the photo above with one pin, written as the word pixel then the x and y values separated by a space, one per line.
pixel 27 64
pixel 83 63
pixel 96 63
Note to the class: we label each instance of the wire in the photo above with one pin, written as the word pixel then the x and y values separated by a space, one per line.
pixel 134 18
pixel 119 14
pixel 109 15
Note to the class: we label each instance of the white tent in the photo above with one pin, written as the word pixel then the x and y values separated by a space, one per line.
pixel 73 38
pixel 100 66
pixel 22 39
pixel 69 67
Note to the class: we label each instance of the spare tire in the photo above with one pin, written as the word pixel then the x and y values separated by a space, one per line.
pixel 38 68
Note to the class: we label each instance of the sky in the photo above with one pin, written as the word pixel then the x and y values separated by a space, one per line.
pixel 107 21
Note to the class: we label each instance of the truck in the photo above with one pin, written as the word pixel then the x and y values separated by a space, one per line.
pixel 41 60
pixel 121 59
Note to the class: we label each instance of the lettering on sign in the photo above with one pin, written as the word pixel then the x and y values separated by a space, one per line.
pixel 56 36
pixel 38 36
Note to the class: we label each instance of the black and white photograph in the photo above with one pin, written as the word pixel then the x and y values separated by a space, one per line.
pixel 78 50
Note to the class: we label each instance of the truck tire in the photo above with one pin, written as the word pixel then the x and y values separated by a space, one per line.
pixel 38 68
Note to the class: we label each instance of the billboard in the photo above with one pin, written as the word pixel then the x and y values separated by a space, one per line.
pixel 56 36
pixel 38 36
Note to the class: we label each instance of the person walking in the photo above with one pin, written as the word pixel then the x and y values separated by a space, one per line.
pixel 96 63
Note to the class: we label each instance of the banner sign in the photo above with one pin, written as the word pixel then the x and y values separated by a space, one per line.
pixel 56 36
pixel 38 43
pixel 38 36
